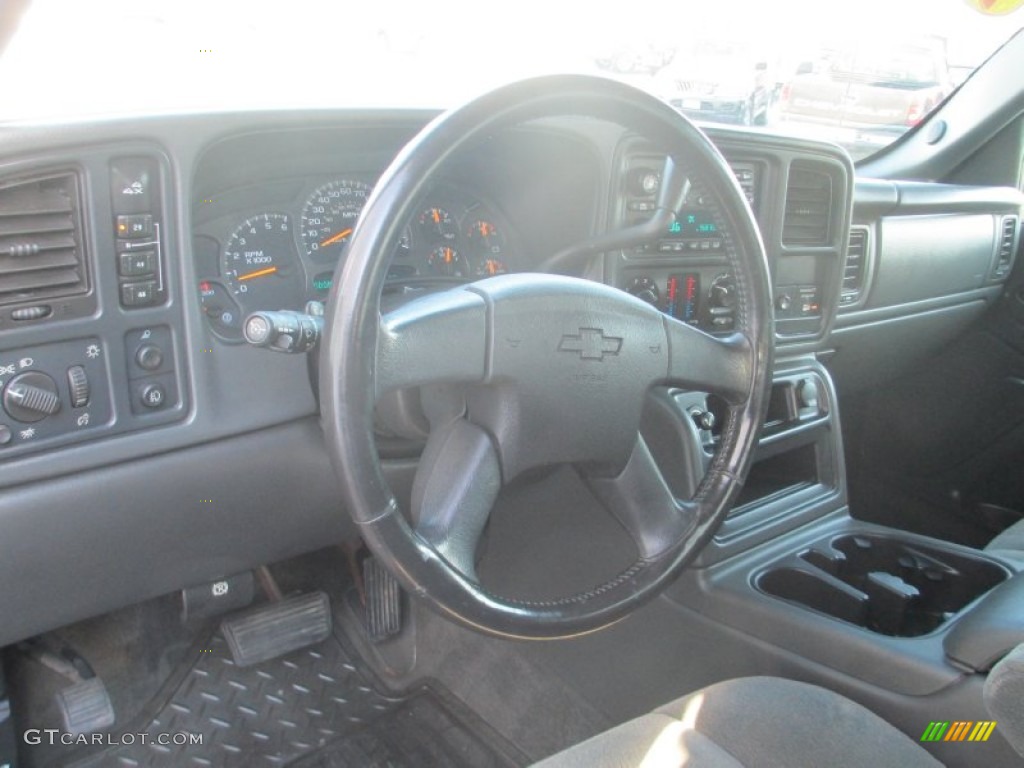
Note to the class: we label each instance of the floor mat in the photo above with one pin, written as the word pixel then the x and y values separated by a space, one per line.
pixel 311 708
pixel 421 732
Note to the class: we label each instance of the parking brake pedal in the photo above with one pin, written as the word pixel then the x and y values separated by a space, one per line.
pixel 278 628
pixel 383 601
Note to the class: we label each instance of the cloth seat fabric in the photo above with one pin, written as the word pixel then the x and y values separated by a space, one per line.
pixel 753 721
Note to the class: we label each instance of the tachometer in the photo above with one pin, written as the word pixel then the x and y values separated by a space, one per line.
pixel 259 264
pixel 329 217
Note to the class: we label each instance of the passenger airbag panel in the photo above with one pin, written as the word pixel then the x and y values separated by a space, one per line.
pixel 923 257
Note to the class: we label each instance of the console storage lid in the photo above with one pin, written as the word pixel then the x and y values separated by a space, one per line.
pixel 993 627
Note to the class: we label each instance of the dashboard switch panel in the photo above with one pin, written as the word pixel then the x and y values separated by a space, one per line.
pixel 53 393
pixel 149 355
pixel 134 192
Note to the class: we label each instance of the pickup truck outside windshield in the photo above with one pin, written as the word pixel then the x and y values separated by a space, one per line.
pixel 860 72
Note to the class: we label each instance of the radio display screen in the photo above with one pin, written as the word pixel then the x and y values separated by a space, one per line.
pixel 692 223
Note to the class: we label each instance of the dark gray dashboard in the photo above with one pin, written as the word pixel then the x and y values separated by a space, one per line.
pixel 227 468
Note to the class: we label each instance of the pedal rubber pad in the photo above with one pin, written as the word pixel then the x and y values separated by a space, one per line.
pixel 383 601
pixel 278 628
pixel 85 707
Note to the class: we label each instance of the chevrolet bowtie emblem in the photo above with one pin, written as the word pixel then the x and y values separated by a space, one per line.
pixel 590 344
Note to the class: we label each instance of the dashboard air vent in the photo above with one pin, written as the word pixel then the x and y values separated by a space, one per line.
pixel 808 207
pixel 1007 240
pixel 855 267
pixel 41 251
pixel 747 178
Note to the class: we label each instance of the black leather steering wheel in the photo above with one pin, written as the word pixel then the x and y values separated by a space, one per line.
pixel 532 370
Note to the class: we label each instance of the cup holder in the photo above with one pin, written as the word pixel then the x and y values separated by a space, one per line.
pixel 887 585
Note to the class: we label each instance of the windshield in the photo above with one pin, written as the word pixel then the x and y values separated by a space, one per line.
pixel 860 73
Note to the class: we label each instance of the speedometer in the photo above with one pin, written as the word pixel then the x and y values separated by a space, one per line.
pixel 329 217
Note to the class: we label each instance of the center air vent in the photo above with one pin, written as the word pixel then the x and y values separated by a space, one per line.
pixel 808 207
pixel 41 252
pixel 855 267
pixel 1004 254
pixel 747 178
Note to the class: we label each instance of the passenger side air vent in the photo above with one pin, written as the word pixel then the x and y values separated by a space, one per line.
pixel 41 244
pixel 808 207
pixel 1006 247
pixel 855 267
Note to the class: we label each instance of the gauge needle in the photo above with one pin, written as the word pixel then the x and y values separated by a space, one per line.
pixel 336 238
pixel 257 273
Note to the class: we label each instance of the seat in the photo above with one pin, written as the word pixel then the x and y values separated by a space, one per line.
pixel 753 721
pixel 1010 541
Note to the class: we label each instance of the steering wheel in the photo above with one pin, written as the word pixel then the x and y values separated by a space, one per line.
pixel 529 370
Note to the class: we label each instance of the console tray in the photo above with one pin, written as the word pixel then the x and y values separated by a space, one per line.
pixel 885 584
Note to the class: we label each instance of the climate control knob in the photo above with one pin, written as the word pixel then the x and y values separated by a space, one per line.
pixel 646 289
pixel 723 292
pixel 31 397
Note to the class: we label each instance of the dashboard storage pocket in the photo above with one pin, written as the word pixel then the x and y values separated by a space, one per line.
pixel 887 585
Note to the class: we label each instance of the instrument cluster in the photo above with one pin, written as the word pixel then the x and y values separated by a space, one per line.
pixel 279 253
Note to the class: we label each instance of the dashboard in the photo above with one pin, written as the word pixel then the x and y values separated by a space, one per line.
pixel 143 442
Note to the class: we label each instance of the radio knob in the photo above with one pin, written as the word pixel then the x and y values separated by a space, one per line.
pixel 645 182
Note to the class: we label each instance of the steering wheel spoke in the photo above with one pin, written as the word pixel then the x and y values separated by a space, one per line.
pixel 454 490
pixel 440 337
pixel 642 502
pixel 705 363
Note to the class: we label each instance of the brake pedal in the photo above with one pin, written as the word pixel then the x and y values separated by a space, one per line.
pixel 85 707
pixel 278 628
pixel 383 610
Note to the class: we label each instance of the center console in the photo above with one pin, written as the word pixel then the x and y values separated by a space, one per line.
pixel 905 624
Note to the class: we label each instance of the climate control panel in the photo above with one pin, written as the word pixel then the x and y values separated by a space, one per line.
pixel 702 297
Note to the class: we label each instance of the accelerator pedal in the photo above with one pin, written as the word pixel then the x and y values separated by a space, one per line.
pixel 383 601
pixel 278 628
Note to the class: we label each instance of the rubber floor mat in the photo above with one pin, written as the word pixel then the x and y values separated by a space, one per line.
pixel 309 706
pixel 421 733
